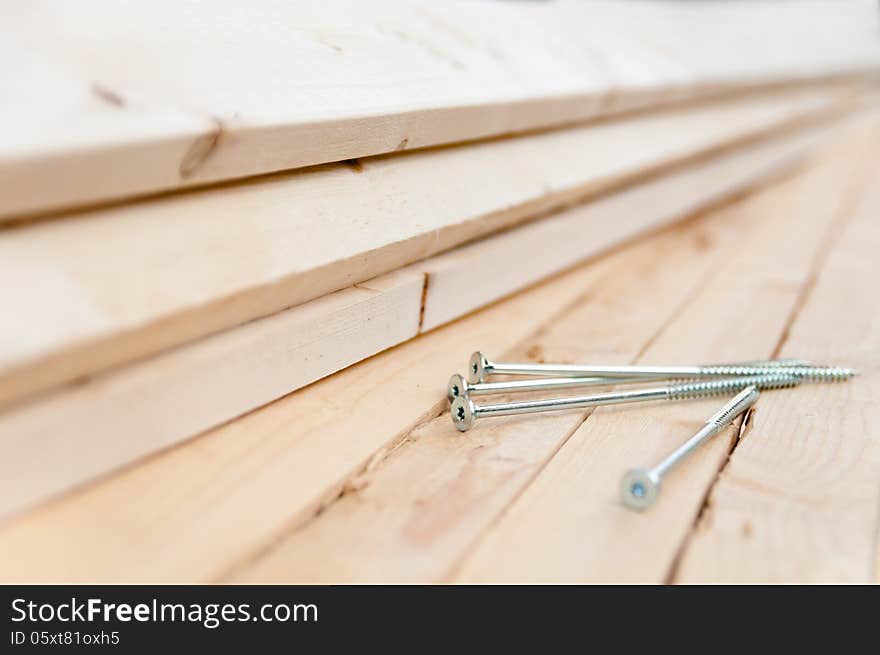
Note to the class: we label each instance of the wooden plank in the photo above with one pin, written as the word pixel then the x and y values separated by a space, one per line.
pixel 551 245
pixel 418 512
pixel 219 494
pixel 175 95
pixel 119 284
pixel 318 438
pixel 799 501
pixel 72 434
pixel 569 524
pixel 416 516
pixel 456 487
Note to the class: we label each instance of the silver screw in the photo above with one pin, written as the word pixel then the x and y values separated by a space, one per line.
pixel 640 487
pixel 480 367
pixel 458 386
pixel 464 412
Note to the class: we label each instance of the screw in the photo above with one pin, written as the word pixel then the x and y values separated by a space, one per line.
pixel 640 487
pixel 464 412
pixel 458 386
pixel 480 367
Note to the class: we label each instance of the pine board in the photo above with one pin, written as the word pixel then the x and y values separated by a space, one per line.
pixel 311 455
pixel 108 287
pixel 158 97
pixel 301 449
pixel 799 499
pixel 533 498
pixel 71 435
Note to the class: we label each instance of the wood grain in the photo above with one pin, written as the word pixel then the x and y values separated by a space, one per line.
pixel 71 435
pixel 116 99
pixel 455 487
pixel 413 516
pixel 112 286
pixel 417 515
pixel 569 525
pixel 509 261
pixel 287 460
pixel 275 467
pixel 799 500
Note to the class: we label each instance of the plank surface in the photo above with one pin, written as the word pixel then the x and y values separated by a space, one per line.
pixel 742 312
pixel 115 285
pixel 415 517
pixel 151 98
pixel 303 449
pixel 799 500
pixel 418 512
pixel 274 468
pixel 72 434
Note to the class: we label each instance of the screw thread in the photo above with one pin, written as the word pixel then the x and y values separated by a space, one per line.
pixel 734 408
pixel 692 390
pixel 803 373
pixel 770 363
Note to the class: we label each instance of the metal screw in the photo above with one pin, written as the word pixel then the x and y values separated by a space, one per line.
pixel 458 386
pixel 640 487
pixel 480 367
pixel 464 412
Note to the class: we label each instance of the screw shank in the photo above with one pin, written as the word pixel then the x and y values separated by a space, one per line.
pixel 574 370
pixel 575 402
pixel 716 423
pixel 544 384
pixel 685 449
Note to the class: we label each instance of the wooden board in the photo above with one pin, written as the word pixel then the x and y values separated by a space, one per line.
pixel 112 286
pixel 316 446
pixel 146 98
pixel 799 499
pixel 227 497
pixel 73 434
pixel 751 301
pixel 534 498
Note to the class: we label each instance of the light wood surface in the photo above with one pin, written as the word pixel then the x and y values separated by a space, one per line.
pixel 316 450
pixel 467 277
pixel 344 445
pixel 73 434
pixel 744 308
pixel 111 99
pixel 533 498
pixel 111 286
pixel 457 484
pixel 798 501
pixel 303 449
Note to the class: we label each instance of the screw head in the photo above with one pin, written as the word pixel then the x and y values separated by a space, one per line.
pixel 463 413
pixel 457 387
pixel 639 488
pixel 477 368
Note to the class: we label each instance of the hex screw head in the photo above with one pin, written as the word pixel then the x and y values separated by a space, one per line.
pixel 463 413
pixel 456 387
pixel 477 368
pixel 639 488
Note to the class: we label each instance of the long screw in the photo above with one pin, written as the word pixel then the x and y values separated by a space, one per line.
pixel 640 487
pixel 464 412
pixel 458 386
pixel 480 367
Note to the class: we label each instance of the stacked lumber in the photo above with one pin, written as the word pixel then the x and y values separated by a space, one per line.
pixel 211 373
